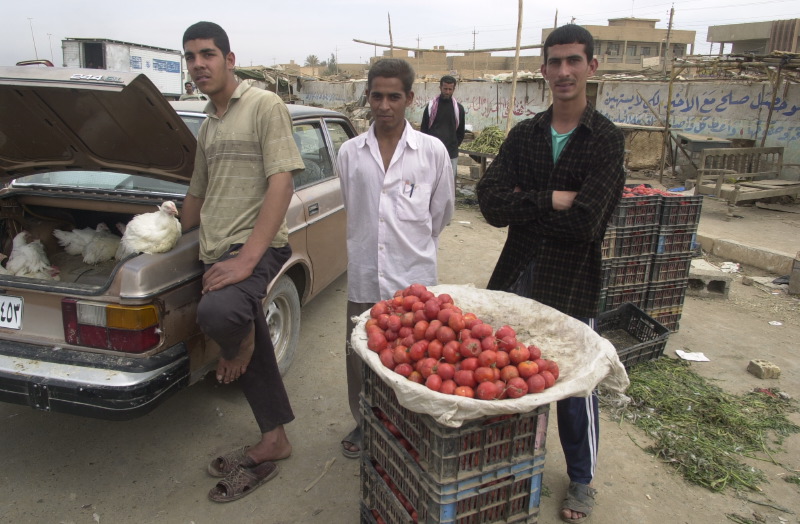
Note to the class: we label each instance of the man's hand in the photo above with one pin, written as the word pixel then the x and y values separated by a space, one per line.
pixel 562 200
pixel 225 273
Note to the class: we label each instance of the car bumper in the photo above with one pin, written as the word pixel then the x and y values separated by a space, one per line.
pixel 90 384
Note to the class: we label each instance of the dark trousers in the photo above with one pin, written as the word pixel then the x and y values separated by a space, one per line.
pixel 228 315
pixel 352 360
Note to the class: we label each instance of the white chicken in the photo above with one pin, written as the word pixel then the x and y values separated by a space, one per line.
pixel 74 241
pixel 3 270
pixel 101 247
pixel 28 258
pixel 155 232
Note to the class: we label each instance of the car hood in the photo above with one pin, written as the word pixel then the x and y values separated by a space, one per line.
pixel 89 119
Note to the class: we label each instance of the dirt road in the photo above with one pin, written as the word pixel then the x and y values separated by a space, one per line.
pixel 62 469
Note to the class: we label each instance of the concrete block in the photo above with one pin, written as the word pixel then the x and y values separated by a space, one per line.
pixel 763 369
pixel 708 283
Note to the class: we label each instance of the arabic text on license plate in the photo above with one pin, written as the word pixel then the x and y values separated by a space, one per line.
pixel 10 312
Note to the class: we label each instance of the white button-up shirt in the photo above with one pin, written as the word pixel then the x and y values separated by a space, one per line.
pixel 394 218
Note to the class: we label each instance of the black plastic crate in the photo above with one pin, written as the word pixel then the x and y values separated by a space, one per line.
pixel 506 495
pixel 676 239
pixel 669 294
pixel 637 211
pixel 637 336
pixel 615 296
pixel 670 267
pixel 448 454
pixel 635 241
pixel 626 271
pixel 607 247
pixel 681 210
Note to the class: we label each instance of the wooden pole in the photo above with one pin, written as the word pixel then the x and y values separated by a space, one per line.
pixel 514 75
pixel 391 40
pixel 775 87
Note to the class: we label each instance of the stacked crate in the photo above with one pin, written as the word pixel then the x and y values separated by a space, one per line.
pixel 647 254
pixel 414 469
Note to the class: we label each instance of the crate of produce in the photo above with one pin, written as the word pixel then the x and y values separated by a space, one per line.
pixel 681 210
pixel 637 211
pixel 676 239
pixel 635 241
pixel 607 247
pixel 669 317
pixel 403 495
pixel 618 295
pixel 626 271
pixel 666 294
pixel 637 336
pixel 448 454
pixel 670 266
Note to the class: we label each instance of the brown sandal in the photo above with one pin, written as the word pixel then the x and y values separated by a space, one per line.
pixel 243 480
pixel 224 464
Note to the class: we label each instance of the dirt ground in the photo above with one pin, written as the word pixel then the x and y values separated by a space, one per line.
pixel 62 469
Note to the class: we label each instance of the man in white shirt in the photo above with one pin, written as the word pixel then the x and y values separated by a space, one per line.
pixel 397 185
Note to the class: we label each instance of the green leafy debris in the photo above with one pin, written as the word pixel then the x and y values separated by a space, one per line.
pixel 702 430
pixel 489 141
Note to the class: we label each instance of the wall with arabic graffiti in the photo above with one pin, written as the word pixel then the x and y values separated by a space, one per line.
pixel 718 109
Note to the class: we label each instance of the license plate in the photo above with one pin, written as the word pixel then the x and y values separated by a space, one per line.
pixel 10 312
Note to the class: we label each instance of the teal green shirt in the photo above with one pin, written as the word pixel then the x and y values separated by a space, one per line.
pixel 559 141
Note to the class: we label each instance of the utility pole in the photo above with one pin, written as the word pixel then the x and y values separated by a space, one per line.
pixel 473 54
pixel 50 39
pixel 35 52
pixel 667 53
pixel 391 40
pixel 514 75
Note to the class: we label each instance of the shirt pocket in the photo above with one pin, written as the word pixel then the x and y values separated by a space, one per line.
pixel 413 205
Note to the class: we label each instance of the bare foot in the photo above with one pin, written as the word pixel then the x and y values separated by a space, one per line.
pixel 229 370
pixel 567 515
pixel 274 445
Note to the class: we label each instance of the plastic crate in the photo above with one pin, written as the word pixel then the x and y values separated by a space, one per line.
pixel 448 454
pixel 506 495
pixel 635 241
pixel 626 271
pixel 676 239
pixel 637 211
pixel 666 294
pixel 681 210
pixel 670 267
pixel 669 317
pixel 607 247
pixel 629 322
pixel 618 295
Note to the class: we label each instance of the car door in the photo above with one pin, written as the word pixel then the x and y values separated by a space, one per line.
pixel 318 189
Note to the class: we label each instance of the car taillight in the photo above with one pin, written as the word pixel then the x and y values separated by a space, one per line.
pixel 130 329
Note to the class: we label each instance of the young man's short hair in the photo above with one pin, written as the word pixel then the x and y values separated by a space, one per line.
pixel 203 30
pixel 392 68
pixel 570 34
pixel 447 79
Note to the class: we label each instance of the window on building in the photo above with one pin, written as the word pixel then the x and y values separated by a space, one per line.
pixel 645 51
pixel 612 49
pixel 631 50
pixel 598 48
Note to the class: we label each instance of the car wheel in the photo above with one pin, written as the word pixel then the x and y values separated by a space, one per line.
pixel 282 309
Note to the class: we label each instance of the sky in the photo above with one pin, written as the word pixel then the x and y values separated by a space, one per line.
pixel 277 32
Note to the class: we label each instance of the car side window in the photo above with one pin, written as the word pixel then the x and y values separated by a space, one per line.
pixel 314 153
pixel 339 134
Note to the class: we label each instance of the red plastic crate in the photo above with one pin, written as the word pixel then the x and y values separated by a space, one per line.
pixel 626 271
pixel 637 211
pixel 635 241
pixel 666 294
pixel 449 454
pixel 670 267
pixel 618 295
pixel 681 210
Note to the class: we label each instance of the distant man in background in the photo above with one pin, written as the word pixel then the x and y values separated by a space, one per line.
pixel 189 94
pixel 555 184
pixel 444 118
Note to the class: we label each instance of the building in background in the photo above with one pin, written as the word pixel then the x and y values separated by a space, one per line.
pixel 760 38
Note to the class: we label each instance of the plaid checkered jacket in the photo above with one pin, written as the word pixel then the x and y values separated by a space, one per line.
pixel 566 245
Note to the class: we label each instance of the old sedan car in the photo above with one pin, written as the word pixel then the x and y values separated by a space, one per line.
pixel 114 339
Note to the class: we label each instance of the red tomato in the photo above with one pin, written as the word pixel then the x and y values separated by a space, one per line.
pixel 456 322
pixel 407 319
pixel 464 391
pixel 505 331
pixel 482 331
pixel 552 367
pixel 430 333
pixel 405 331
pixel 549 379
pixel 536 383
pixel 445 334
pixel 434 382
pixel 444 315
pixel 489 344
pixel 408 302
pixel 387 358
pixel 508 373
pixel 470 364
pixel 401 355
pixel 383 321
pixel 394 323
pixel 444 298
pixel 432 309
pixel 517 388
pixel 446 370
pixel 535 352
pixel 487 358
pixel 378 309
pixel 376 341
pixel 428 367
pixel 527 368
pixel 470 348
pixel 435 348
pixel 484 374
pixel 501 389
pixel 507 343
pixel 502 360
pixel 417 350
pixel 487 391
pixel 448 387
pixel 419 329
pixel 451 352
pixel 404 369
pixel 416 376
pixel 465 377
pixel 519 354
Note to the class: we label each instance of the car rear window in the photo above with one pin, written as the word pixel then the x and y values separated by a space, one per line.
pixel 104 180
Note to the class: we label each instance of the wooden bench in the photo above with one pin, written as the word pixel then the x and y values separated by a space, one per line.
pixel 743 173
